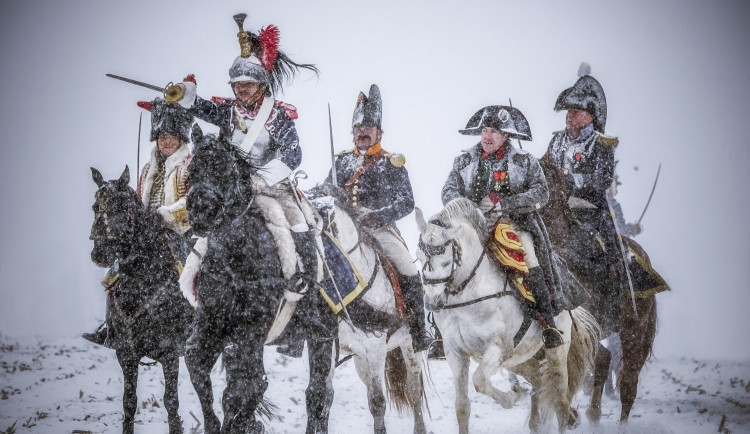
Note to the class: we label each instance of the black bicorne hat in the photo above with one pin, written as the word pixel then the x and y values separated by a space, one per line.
pixel 503 118
pixel 369 109
pixel 168 118
pixel 586 94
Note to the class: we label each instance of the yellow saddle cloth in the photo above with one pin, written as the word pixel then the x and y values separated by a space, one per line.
pixel 507 249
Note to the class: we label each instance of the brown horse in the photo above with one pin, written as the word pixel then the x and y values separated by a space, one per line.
pixel 637 327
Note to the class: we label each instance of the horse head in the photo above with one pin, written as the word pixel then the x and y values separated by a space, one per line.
pixel 213 176
pixel 450 249
pixel 116 207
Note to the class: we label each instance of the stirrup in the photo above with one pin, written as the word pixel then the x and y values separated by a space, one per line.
pixel 436 350
pixel 552 338
pixel 421 342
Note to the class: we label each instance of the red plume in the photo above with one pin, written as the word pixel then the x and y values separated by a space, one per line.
pixel 145 105
pixel 190 78
pixel 269 45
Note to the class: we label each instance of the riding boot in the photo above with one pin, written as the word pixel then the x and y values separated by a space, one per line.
pixel 538 286
pixel 293 345
pixel 411 289
pixel 308 253
pixel 98 336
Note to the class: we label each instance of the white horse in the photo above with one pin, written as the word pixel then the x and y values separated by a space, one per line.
pixel 378 337
pixel 466 291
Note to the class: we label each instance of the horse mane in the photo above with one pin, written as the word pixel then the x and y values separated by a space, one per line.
pixel 461 208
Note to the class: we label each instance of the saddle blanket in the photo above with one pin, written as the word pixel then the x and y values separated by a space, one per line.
pixel 646 281
pixel 348 279
pixel 506 248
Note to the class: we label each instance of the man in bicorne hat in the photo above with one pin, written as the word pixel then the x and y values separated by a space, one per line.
pixel 377 185
pixel 580 166
pixel 508 186
pixel 163 186
pixel 263 129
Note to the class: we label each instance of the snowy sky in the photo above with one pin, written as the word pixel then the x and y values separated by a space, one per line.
pixel 675 75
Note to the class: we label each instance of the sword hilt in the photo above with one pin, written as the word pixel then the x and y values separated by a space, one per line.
pixel 174 92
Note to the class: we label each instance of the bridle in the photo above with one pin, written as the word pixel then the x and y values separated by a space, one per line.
pixel 449 280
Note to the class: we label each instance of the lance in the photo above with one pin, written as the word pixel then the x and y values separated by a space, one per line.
pixel 333 154
pixel 172 92
pixel 650 195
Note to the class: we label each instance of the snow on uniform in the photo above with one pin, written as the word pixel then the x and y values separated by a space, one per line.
pixel 163 187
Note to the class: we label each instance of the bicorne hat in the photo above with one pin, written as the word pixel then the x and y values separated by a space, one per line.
pixel 586 94
pixel 369 109
pixel 503 118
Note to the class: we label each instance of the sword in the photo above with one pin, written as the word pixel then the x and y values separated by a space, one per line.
pixel 333 154
pixel 624 253
pixel 650 195
pixel 172 92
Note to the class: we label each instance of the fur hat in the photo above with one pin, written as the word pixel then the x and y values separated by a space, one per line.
pixel 168 118
pixel 586 94
pixel 369 109
pixel 503 118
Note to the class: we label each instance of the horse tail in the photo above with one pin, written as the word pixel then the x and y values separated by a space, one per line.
pixel 584 340
pixel 395 381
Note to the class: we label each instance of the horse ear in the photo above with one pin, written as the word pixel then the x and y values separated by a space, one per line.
pixel 419 216
pixel 98 178
pixel 125 177
pixel 197 134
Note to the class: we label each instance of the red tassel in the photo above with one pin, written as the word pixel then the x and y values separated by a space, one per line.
pixel 145 105
pixel 191 78
pixel 269 45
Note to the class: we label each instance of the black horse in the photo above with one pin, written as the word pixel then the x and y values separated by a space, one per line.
pixel 239 287
pixel 147 314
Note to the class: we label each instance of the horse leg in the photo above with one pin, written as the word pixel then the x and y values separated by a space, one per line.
pixel 460 368
pixel 601 371
pixel 200 359
pixel 370 368
pixel 129 365
pixel 414 386
pixel 319 393
pixel 637 337
pixel 171 368
pixel 491 361
pixel 246 382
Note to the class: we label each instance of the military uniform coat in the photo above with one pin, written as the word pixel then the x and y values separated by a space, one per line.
pixel 174 197
pixel 278 139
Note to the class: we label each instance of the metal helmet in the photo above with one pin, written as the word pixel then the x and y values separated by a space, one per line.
pixel 503 118
pixel 168 118
pixel 369 109
pixel 586 94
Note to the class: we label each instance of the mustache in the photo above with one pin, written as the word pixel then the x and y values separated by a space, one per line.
pixel 364 137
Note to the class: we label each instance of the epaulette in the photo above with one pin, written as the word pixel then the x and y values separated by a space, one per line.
pixel 607 141
pixel 397 160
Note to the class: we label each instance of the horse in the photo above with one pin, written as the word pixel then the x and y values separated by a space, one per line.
pixel 374 332
pixel 147 315
pixel 479 317
pixel 239 287
pixel 637 326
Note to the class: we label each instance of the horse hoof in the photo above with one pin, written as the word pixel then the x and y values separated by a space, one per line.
pixel 574 419
pixel 594 415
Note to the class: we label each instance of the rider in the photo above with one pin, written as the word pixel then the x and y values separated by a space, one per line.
pixel 508 185
pixel 377 186
pixel 584 159
pixel 162 186
pixel 271 143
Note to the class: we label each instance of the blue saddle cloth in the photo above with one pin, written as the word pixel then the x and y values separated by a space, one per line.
pixel 348 280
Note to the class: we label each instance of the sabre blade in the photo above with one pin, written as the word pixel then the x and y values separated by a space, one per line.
pixel 138 83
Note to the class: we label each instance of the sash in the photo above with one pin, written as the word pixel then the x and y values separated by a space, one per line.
pixel 361 170
pixel 260 122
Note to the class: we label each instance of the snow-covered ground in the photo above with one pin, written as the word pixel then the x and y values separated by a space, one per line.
pixel 64 386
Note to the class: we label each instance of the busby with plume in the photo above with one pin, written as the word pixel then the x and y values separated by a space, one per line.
pixel 260 59
pixel 586 94
pixel 168 118
pixel 503 118
pixel 369 109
